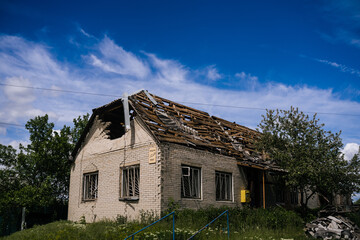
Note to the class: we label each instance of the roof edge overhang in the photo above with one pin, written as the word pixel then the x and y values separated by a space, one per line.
pixel 261 167
pixel 82 138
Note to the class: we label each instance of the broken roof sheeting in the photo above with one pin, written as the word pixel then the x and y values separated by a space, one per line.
pixel 176 123
pixel 172 122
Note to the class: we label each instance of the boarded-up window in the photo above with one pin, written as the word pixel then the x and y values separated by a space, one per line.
pixel 190 182
pixel 130 182
pixel 90 186
pixel 223 183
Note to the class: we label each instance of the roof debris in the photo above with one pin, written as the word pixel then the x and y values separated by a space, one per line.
pixel 331 227
pixel 173 122
pixel 176 123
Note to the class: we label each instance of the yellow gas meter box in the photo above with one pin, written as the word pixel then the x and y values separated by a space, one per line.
pixel 245 196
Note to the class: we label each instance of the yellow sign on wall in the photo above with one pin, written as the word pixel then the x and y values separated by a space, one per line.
pixel 245 196
pixel 152 155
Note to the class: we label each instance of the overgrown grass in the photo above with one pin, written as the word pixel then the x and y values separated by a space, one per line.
pixel 245 223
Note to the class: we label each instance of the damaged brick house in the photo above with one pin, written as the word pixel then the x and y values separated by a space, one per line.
pixel 141 152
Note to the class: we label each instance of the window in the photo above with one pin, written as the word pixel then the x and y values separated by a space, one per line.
pixel 190 182
pixel 90 186
pixel 223 183
pixel 130 182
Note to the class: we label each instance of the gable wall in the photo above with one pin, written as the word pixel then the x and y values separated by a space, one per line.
pixel 175 155
pixel 107 157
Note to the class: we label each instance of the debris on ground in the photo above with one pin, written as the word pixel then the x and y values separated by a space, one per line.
pixel 333 227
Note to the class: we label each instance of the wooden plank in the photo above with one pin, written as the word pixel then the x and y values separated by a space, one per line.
pixel 154 119
pixel 145 106
pixel 234 125
pixel 181 106
pixel 156 126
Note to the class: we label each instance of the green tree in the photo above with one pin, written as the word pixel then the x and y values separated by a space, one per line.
pixel 38 174
pixel 79 126
pixel 311 155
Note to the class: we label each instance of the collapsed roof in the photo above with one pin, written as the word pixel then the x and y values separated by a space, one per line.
pixel 172 122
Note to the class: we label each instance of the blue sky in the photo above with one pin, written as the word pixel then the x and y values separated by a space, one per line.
pixel 252 54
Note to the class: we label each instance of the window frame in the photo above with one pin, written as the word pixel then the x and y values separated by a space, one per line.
pixel 194 182
pixel 86 186
pixel 135 195
pixel 228 195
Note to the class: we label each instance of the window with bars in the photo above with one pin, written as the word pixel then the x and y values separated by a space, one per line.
pixel 90 186
pixel 130 182
pixel 223 183
pixel 190 182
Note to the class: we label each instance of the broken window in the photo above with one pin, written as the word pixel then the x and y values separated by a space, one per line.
pixel 130 182
pixel 115 121
pixel 223 183
pixel 90 186
pixel 190 182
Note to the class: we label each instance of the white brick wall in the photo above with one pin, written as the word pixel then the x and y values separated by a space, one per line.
pixel 107 157
pixel 159 182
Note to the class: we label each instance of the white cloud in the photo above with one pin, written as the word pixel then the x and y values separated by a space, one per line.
pixel 341 67
pixel 16 94
pixel 26 63
pixel 113 70
pixel 98 63
pixel 168 71
pixel 246 76
pixel 85 33
pixel 115 59
pixel 213 73
pixel 19 102
pixel 37 112
pixel 58 131
pixel 2 131
pixel 350 150
pixel 247 80
pixel 15 143
pixel 19 57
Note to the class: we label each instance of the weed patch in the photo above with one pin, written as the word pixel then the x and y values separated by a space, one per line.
pixel 245 223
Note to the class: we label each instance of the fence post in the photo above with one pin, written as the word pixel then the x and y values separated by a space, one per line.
pixel 172 213
pixel 227 214
pixel 228 227
pixel 174 226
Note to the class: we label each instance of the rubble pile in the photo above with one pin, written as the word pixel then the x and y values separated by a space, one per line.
pixel 331 227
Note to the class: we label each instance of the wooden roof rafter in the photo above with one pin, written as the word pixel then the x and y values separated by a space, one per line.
pixel 172 122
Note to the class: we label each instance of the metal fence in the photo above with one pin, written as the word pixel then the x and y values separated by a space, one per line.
pixel 173 225
pixel 207 225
